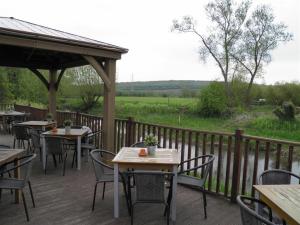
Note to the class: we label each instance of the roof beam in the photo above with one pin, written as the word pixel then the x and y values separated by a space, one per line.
pixel 57 46
pixel 40 76
pixel 98 67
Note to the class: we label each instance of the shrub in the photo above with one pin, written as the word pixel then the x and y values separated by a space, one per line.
pixel 213 101
pixel 286 112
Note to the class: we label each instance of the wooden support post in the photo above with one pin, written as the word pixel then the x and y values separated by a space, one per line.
pixel 109 106
pixel 129 132
pixel 236 165
pixel 52 92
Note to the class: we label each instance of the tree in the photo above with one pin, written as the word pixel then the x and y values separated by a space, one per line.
pixel 227 20
pixel 261 35
pixel 89 84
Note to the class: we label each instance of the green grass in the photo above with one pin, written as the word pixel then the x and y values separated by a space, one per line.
pixel 182 112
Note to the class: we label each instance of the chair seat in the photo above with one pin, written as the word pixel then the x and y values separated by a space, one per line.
pixel 189 180
pixel 11 183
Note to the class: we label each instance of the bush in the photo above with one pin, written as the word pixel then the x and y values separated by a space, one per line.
pixel 213 100
pixel 286 112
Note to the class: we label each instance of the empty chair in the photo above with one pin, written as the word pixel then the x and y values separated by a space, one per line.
pixel 149 188
pixel 205 163
pixel 55 147
pixel 104 172
pixel 21 135
pixel 249 215
pixel 35 141
pixel 277 176
pixel 25 164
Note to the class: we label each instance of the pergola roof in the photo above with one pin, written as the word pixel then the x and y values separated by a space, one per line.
pixel 24 44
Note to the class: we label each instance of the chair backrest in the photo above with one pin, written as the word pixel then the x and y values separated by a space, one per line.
pixel 141 144
pixel 150 185
pixel 101 161
pixel 207 162
pixel 277 176
pixel 54 145
pixel 21 132
pixel 26 165
pixel 35 138
pixel 249 215
pixel 4 146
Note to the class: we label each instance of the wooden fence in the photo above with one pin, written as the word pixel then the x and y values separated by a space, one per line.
pixel 239 158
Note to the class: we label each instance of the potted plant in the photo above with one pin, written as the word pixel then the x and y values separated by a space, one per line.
pixel 151 143
pixel 67 125
pixel 49 117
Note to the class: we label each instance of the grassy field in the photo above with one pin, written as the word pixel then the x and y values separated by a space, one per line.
pixel 182 112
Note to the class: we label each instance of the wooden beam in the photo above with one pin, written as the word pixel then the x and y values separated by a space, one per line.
pixel 59 78
pixel 98 67
pixel 58 46
pixel 52 92
pixel 109 107
pixel 40 76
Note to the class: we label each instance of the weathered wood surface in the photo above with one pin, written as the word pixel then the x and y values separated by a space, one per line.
pixel 283 199
pixel 67 200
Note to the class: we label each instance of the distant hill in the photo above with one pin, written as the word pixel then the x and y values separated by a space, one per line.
pixel 161 88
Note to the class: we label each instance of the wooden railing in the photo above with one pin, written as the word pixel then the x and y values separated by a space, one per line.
pixel 6 106
pixel 238 157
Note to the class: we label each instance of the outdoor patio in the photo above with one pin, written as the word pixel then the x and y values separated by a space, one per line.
pixel 67 200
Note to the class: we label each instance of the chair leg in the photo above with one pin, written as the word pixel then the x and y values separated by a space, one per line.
pixel 31 194
pixel 25 205
pixel 168 214
pixel 95 191
pixel 131 213
pixel 64 164
pixel 169 199
pixel 103 191
pixel 46 164
pixel 204 203
pixel 74 157
pixel 14 143
pixel 54 160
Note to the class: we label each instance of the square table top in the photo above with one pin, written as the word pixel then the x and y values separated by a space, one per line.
pixel 129 155
pixel 62 132
pixel 11 113
pixel 7 155
pixel 37 123
pixel 283 199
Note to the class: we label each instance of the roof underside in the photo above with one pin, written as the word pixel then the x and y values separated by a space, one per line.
pixel 24 44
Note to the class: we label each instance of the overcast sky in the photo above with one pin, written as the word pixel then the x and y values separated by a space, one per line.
pixel 155 53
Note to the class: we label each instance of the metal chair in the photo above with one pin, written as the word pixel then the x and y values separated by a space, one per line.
pixel 21 134
pixel 249 215
pixel 277 176
pixel 35 141
pixel 104 172
pixel 25 164
pixel 149 188
pixel 55 146
pixel 196 181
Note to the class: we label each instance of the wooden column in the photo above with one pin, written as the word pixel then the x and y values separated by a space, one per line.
pixel 109 106
pixel 52 92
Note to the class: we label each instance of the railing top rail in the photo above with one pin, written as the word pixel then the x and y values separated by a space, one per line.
pixel 276 141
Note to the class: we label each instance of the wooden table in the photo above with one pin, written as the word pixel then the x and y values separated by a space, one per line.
pixel 39 124
pixel 283 199
pixel 8 155
pixel 75 134
pixel 164 159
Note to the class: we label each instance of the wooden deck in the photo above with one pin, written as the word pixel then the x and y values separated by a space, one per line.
pixel 67 200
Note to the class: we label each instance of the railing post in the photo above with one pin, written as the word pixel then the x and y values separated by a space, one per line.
pixel 236 165
pixel 129 131
pixel 77 118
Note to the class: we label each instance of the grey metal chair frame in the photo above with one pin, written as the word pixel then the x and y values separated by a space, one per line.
pixel 35 141
pixel 139 177
pixel 185 179
pixel 19 184
pixel 107 176
pixel 286 173
pixel 21 134
pixel 61 151
pixel 251 213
